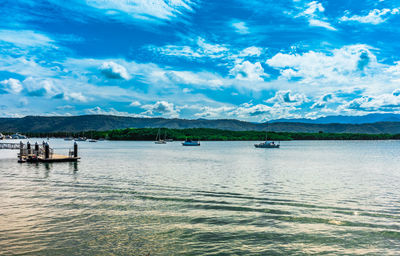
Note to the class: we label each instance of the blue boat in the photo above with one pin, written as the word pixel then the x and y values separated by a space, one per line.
pixel 189 142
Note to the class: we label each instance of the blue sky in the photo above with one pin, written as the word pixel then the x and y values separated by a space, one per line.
pixel 249 60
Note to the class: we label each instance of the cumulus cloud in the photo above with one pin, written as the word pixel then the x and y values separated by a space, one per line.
pixel 111 111
pixel 287 97
pixel 338 65
pixel 250 51
pixel 323 101
pixel 374 17
pixel 40 87
pixel 161 107
pixel 11 85
pixel 248 71
pixel 387 102
pixel 214 112
pixel 75 96
pixel 113 70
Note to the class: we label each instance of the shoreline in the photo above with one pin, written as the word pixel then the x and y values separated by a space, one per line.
pixel 206 134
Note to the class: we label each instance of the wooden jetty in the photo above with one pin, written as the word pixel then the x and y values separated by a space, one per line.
pixel 40 153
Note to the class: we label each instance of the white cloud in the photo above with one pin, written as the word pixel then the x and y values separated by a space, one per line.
pixel 250 51
pixel 323 101
pixel 135 103
pixel 241 27
pixel 75 96
pixel 288 98
pixel 320 23
pixel 339 65
pixel 12 85
pixel 111 111
pixel 40 87
pixel 313 11
pixel 200 49
pixel 214 112
pixel 248 71
pixel 387 102
pixel 24 38
pixel 161 107
pixel 114 71
pixel 143 9
pixel 374 17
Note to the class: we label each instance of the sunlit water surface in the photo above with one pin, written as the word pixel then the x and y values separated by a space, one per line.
pixel 222 198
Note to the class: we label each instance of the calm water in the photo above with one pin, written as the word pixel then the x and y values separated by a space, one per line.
pixel 223 198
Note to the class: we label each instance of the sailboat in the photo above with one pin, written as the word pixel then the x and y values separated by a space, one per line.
pixel 266 143
pixel 158 138
pixel 91 138
pixel 165 138
pixel 68 138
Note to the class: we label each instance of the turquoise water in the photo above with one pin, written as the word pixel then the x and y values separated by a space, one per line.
pixel 222 198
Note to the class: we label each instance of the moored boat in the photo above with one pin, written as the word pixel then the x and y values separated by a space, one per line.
pixel 158 139
pixel 189 142
pixel 267 144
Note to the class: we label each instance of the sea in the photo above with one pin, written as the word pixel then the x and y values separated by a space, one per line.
pixel 222 198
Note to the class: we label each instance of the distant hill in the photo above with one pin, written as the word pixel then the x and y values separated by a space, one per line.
pixel 370 118
pixel 107 122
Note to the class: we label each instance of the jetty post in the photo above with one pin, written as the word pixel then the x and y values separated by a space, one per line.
pixel 75 149
pixel 21 151
pixel 36 149
pixel 46 151
pixel 28 148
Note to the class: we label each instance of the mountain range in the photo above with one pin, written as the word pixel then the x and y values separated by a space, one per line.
pixel 47 124
pixel 370 118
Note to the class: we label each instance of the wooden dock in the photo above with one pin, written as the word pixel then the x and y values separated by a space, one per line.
pixel 40 153
pixel 58 158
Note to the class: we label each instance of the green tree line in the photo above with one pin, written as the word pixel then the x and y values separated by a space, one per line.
pixel 206 134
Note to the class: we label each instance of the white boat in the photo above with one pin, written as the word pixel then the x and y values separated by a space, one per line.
pixel 68 138
pixel 2 136
pixel 81 139
pixel 266 143
pixel 158 139
pixel 18 136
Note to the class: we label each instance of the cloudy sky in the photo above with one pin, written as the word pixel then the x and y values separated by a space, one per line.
pixel 251 60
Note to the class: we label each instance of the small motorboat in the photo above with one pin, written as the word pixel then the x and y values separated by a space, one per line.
pixel 189 142
pixel 69 139
pixel 267 144
pixel 81 139
pixel 92 140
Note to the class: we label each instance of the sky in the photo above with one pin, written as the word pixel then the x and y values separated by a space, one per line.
pixel 250 60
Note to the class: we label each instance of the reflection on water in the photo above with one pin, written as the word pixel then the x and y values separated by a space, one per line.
pixel 223 198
